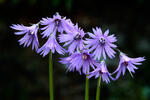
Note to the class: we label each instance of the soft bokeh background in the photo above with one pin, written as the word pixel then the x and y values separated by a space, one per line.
pixel 24 73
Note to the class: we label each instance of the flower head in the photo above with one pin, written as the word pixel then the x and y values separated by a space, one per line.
pixel 57 23
pixel 73 38
pixel 101 43
pixel 52 45
pixel 102 71
pixel 30 34
pixel 127 63
pixel 78 61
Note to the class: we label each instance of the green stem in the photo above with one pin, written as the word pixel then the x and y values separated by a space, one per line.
pixel 98 88
pixel 50 76
pixel 87 89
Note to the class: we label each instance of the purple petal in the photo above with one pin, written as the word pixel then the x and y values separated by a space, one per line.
pixel 106 32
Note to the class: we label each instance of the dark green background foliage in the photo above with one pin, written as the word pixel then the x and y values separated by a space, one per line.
pixel 24 73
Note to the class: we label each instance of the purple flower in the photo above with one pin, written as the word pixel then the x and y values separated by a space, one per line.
pixel 101 43
pixel 52 26
pixel 57 23
pixel 30 34
pixel 127 63
pixel 73 38
pixel 102 71
pixel 78 61
pixel 52 45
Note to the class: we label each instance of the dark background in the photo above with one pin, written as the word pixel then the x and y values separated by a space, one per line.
pixel 24 73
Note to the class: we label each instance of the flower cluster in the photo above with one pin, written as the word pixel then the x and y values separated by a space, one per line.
pixel 87 55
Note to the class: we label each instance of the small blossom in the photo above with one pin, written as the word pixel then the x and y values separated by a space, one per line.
pixel 52 45
pixel 101 43
pixel 73 38
pixel 78 61
pixel 30 34
pixel 102 71
pixel 127 63
pixel 57 23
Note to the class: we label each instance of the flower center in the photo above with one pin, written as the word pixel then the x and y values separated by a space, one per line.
pixel 31 32
pixel 102 41
pixel 77 37
pixel 125 63
pixel 100 72
pixel 57 22
pixel 84 56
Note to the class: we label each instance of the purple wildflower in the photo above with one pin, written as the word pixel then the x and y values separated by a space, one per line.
pixel 74 38
pixel 30 34
pixel 127 63
pixel 52 26
pixel 102 71
pixel 79 60
pixel 52 45
pixel 101 43
pixel 57 23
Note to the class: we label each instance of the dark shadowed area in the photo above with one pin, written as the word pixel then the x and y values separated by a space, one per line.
pixel 24 73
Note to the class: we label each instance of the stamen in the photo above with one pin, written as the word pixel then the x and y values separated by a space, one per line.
pixel 31 32
pixel 125 63
pixel 57 22
pixel 100 72
pixel 77 37
pixel 102 41
pixel 85 56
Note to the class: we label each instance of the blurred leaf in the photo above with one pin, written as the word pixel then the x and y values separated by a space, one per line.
pixel 23 94
pixel 32 2
pixel 55 2
pixel 143 45
pixel 2 1
pixel 15 2
pixel 68 4
pixel 146 93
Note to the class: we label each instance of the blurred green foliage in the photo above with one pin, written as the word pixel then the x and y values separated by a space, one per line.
pixel 24 73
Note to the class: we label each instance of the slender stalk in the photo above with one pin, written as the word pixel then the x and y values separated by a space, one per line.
pixel 87 89
pixel 98 88
pixel 51 76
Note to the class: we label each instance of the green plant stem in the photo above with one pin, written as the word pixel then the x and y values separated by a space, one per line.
pixel 51 76
pixel 98 89
pixel 87 89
